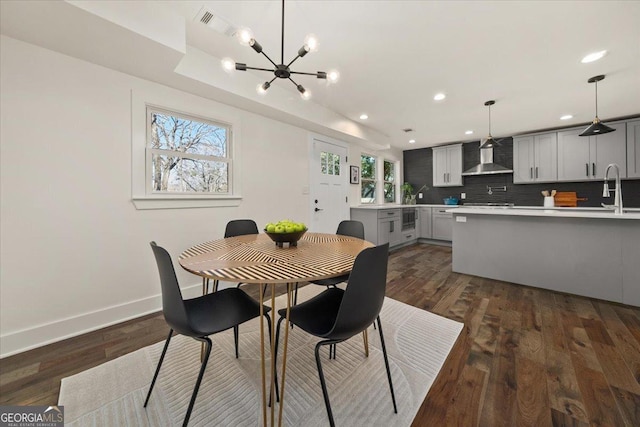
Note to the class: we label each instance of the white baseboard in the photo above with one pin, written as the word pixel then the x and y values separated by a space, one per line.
pixel 37 336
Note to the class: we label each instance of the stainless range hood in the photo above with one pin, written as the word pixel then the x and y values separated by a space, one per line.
pixel 486 166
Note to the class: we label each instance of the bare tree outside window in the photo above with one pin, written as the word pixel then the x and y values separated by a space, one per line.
pixel 187 155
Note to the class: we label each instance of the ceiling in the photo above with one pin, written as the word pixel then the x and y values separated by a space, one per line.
pixel 394 56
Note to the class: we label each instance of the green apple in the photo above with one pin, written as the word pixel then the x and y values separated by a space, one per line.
pixel 290 228
pixel 271 228
pixel 279 229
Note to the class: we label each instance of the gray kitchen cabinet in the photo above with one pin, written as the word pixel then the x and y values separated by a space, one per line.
pixel 424 223
pixel 380 225
pixel 389 231
pixel 585 158
pixel 535 158
pixel 447 166
pixel 442 224
pixel 633 149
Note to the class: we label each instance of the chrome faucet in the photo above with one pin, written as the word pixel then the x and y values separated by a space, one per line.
pixel 617 197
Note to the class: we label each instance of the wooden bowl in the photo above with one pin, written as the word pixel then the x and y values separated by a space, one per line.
pixel 290 238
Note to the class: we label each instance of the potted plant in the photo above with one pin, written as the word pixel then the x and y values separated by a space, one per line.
pixel 407 193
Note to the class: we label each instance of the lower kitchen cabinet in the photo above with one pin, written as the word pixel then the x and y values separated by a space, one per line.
pixel 385 225
pixel 389 231
pixel 424 221
pixel 442 224
pixel 380 225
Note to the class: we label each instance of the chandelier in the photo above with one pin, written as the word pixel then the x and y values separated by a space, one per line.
pixel 282 70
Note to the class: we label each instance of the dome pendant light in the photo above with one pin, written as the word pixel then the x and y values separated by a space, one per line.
pixel 282 70
pixel 489 142
pixel 597 127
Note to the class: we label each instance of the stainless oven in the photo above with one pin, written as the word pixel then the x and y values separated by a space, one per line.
pixel 408 218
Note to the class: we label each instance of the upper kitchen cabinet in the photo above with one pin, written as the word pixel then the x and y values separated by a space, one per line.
pixel 447 166
pixel 535 158
pixel 585 158
pixel 633 149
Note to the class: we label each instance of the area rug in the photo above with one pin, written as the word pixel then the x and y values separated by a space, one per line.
pixel 418 343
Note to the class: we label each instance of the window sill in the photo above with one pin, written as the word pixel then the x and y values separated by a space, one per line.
pixel 186 202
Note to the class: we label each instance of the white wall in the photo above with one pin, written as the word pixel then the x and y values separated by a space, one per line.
pixel 75 252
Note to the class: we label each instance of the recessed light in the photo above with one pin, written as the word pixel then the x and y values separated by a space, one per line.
pixel 363 117
pixel 593 56
pixel 439 96
pixel 566 117
pixel 412 141
pixel 469 132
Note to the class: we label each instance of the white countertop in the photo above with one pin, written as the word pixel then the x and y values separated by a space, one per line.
pixel 394 206
pixel 548 213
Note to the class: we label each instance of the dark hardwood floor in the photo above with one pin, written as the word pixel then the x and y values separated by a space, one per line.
pixel 525 357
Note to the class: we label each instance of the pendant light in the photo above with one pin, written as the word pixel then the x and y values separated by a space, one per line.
pixel 281 70
pixel 597 127
pixel 489 142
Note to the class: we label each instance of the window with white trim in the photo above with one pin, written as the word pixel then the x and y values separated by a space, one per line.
pixel 187 154
pixel 389 176
pixel 367 179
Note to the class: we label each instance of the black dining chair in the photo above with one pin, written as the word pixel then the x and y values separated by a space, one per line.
pixel 200 317
pixel 337 315
pixel 236 227
pixel 349 228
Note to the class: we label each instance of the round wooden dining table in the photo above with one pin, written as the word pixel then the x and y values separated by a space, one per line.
pixel 255 258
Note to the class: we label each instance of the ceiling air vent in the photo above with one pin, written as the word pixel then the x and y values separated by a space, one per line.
pixel 407 130
pixel 206 17
pixel 216 22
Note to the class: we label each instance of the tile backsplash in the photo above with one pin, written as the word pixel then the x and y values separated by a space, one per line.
pixel 418 170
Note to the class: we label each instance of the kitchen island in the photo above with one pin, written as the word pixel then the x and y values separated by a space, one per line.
pixel 589 252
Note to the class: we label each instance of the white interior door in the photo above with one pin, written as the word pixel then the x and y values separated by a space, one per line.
pixel 329 181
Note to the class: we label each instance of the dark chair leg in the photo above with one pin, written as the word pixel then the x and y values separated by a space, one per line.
pixel 207 352
pixel 386 363
pixel 236 332
pixel 215 285
pixel 325 394
pixel 155 376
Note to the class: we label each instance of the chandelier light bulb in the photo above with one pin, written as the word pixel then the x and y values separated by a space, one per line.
pixel 311 43
pixel 245 36
pixel 262 88
pixel 304 93
pixel 333 76
pixel 228 64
